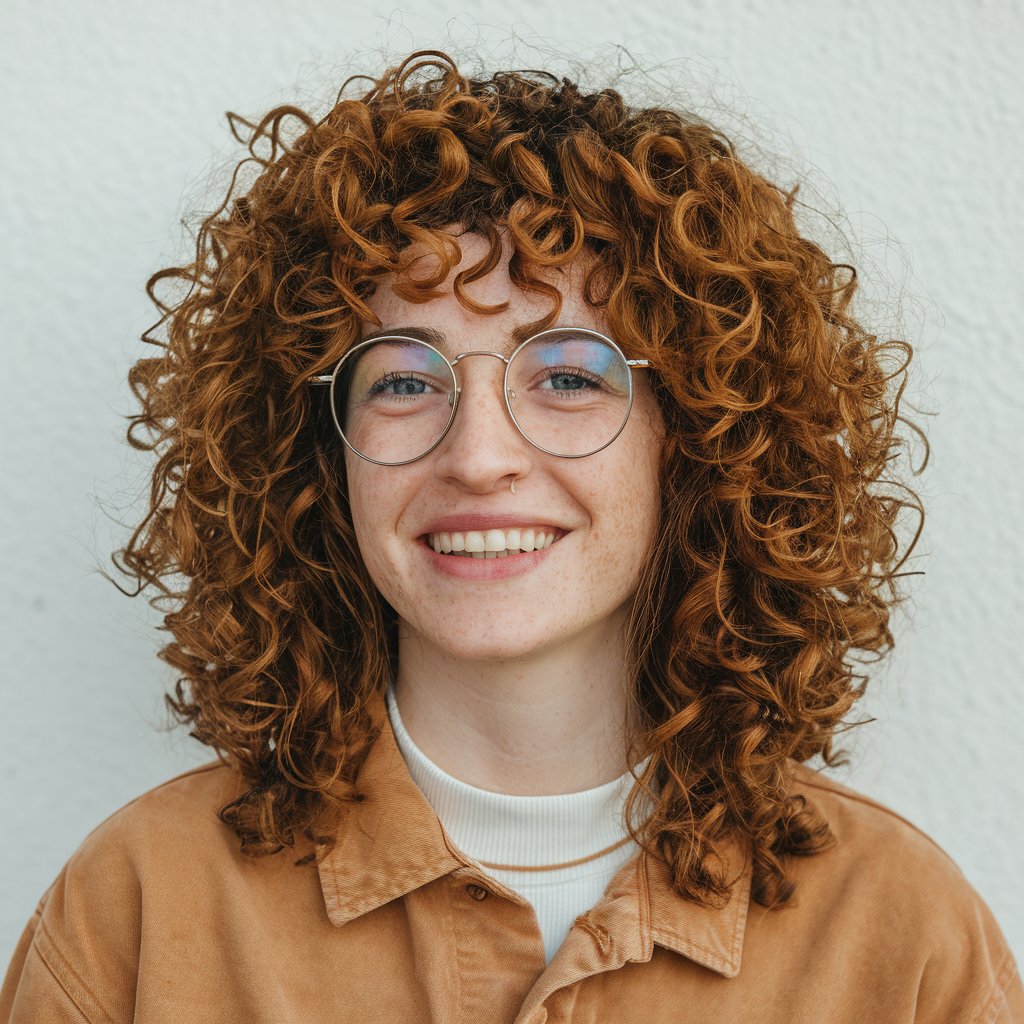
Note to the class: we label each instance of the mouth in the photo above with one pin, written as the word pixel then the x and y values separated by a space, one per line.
pixel 493 543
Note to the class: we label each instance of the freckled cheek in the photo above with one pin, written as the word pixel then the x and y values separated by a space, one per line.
pixel 370 549
pixel 631 492
pixel 375 532
pixel 638 514
pixel 385 567
pixel 625 510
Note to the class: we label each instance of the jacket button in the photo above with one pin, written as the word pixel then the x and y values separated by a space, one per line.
pixel 478 892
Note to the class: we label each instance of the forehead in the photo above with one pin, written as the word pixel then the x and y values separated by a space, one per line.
pixel 514 314
pixel 452 342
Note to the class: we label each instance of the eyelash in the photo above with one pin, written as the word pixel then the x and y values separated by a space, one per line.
pixel 391 378
pixel 574 371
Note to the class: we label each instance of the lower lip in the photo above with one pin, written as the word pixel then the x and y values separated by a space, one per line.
pixel 468 568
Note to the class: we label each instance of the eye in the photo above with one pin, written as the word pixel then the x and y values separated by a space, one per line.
pixel 399 385
pixel 571 378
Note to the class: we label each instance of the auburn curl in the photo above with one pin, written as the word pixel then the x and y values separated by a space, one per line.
pixel 776 565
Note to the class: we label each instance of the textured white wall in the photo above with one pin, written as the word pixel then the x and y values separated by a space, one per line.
pixel 114 118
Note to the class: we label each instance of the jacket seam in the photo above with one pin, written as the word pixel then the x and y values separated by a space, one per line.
pixel 49 970
pixel 67 977
pixel 643 906
pixel 990 1008
pixel 448 909
pixel 198 770
pixel 867 802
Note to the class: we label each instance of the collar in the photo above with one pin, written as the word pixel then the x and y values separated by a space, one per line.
pixel 391 843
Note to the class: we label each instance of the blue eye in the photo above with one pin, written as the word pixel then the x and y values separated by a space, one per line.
pixel 397 385
pixel 571 379
pixel 567 382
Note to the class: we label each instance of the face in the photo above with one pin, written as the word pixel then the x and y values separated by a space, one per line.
pixel 602 510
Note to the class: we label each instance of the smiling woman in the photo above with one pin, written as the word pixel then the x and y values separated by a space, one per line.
pixel 532 485
pixel 590 519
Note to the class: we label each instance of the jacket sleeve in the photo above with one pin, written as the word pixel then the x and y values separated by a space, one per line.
pixel 1006 1002
pixel 77 960
pixel 971 975
pixel 32 989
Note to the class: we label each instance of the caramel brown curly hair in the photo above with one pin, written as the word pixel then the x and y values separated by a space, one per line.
pixel 776 566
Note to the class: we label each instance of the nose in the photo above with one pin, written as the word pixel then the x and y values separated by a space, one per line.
pixel 483 450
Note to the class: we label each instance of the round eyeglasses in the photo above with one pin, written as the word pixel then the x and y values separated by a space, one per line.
pixel 568 390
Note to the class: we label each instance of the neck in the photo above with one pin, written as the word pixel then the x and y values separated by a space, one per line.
pixel 548 723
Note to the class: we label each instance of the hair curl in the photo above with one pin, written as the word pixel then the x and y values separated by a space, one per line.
pixel 776 565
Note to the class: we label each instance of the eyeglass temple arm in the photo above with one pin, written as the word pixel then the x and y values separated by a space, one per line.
pixel 325 378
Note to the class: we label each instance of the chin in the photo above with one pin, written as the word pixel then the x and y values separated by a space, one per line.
pixel 488 646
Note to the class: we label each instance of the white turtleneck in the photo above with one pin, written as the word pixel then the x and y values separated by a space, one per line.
pixel 518 832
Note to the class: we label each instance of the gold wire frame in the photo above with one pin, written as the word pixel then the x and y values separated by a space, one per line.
pixel 330 379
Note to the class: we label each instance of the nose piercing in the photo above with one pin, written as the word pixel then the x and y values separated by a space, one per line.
pixel 513 485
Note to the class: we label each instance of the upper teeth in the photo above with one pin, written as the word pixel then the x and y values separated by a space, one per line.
pixel 492 543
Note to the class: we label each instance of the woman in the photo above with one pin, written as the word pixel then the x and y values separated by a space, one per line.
pixel 527 475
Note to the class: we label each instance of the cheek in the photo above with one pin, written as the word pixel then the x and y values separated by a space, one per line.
pixel 377 497
pixel 641 467
pixel 623 496
pixel 367 494
pixel 636 500
pixel 648 457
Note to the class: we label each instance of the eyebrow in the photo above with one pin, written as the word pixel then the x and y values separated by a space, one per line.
pixel 437 338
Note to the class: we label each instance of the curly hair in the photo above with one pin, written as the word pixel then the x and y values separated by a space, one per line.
pixel 776 566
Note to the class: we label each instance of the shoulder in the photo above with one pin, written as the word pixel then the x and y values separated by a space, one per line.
pixel 859 820
pixel 151 843
pixel 896 896
pixel 168 817
pixel 156 834
pixel 878 850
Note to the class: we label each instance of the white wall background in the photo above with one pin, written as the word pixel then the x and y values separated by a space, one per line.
pixel 906 113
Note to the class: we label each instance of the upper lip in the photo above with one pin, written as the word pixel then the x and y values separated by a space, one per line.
pixel 465 521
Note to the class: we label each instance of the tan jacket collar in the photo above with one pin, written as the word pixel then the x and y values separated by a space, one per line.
pixel 392 842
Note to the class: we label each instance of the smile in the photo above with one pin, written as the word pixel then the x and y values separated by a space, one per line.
pixel 493 543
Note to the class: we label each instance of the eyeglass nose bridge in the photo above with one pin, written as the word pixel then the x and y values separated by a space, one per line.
pixel 506 359
pixel 480 352
pixel 506 390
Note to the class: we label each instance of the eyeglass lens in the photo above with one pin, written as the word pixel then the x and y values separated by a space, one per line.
pixel 569 393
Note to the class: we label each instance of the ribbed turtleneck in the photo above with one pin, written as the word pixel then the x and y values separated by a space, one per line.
pixel 511 837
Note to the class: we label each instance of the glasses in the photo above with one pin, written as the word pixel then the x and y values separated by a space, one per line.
pixel 568 390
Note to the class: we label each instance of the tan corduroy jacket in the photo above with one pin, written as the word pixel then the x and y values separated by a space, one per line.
pixel 157 918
